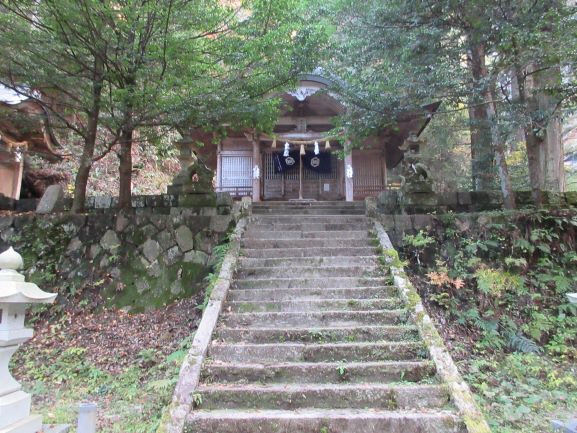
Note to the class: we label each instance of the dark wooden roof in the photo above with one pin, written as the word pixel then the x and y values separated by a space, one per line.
pixel 26 123
pixel 320 106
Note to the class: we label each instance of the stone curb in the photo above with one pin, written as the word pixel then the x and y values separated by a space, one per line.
pixel 174 415
pixel 446 368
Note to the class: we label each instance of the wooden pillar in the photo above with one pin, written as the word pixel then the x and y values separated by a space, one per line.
pixel 385 173
pixel 11 169
pixel 349 191
pixel 218 166
pixel 256 162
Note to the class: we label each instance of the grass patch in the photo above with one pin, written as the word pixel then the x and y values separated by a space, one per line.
pixel 131 401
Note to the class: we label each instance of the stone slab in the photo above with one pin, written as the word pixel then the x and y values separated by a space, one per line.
pixel 30 424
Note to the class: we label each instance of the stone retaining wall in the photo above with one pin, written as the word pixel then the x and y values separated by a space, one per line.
pixel 166 204
pixel 135 260
pixel 399 225
pixel 394 202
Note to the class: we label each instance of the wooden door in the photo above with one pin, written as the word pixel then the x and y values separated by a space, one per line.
pixel 236 173
pixel 369 174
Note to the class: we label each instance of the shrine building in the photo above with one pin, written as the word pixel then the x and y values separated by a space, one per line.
pixel 300 160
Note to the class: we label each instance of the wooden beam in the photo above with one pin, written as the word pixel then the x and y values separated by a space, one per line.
pixel 311 120
pixel 349 189
pixel 256 161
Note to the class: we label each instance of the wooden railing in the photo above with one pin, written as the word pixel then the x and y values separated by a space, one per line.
pixel 364 191
pixel 236 191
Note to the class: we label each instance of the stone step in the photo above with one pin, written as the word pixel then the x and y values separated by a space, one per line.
pixel 306 243
pixel 323 420
pixel 299 234
pixel 312 251
pixel 311 293
pixel 309 219
pixel 316 305
pixel 324 396
pixel 308 211
pixel 370 260
pixel 314 319
pixel 310 283
pixel 318 335
pixel 309 203
pixel 308 272
pixel 259 209
pixel 308 227
pixel 327 352
pixel 320 372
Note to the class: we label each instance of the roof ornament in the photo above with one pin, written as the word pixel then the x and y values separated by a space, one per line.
pixel 303 93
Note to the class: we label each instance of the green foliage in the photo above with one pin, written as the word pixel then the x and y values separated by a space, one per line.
pixel 519 392
pixel 418 243
pixel 135 398
pixel 43 246
pixel 218 254
pixel 399 55
pixel 495 283
pixel 504 279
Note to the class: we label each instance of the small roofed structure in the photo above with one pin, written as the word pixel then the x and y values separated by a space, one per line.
pixel 299 159
pixel 24 127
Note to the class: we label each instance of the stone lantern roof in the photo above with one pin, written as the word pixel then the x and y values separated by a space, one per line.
pixel 13 287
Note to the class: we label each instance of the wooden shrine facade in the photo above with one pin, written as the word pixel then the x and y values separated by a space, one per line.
pixel 250 165
pixel 24 127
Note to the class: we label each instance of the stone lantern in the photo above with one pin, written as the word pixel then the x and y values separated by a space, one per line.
pixel 15 295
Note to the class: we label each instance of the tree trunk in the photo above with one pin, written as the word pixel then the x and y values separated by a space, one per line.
pixel 125 168
pixel 533 143
pixel 499 149
pixel 552 152
pixel 81 180
pixel 482 149
pixel 532 140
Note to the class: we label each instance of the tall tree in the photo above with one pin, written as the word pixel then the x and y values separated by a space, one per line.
pixel 460 52
pixel 55 53
pixel 123 65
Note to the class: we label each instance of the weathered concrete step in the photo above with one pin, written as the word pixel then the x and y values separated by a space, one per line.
pixel 308 272
pixel 303 206
pixel 305 243
pixel 316 305
pixel 329 396
pixel 297 234
pixel 311 251
pixel 308 219
pixel 328 352
pixel 310 283
pixel 273 203
pixel 320 372
pixel 308 227
pixel 318 335
pixel 311 293
pixel 369 260
pixel 318 420
pixel 313 319
pixel 308 211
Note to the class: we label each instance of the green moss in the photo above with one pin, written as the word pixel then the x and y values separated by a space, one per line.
pixel 140 291
pixel 476 424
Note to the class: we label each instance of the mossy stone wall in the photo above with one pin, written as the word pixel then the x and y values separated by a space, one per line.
pixel 137 261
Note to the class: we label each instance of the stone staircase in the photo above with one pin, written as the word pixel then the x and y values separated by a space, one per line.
pixel 313 338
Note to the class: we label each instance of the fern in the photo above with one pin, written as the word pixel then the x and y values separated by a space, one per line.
pixel 520 343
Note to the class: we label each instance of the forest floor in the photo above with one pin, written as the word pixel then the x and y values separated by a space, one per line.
pixel 125 363
pixel 518 392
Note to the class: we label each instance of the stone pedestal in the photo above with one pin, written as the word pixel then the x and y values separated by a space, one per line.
pixel 15 294
pixel 194 176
